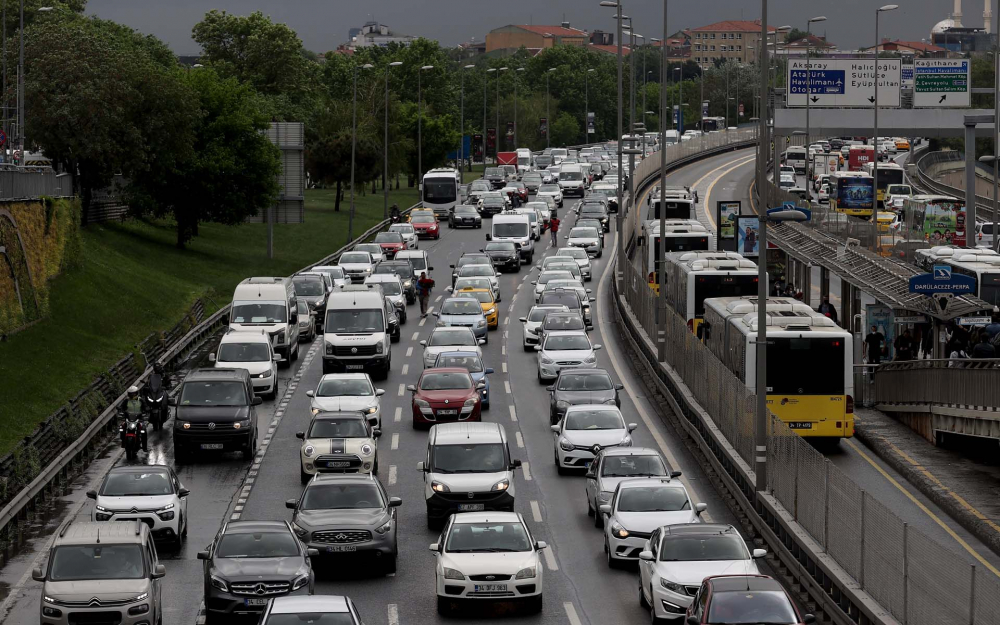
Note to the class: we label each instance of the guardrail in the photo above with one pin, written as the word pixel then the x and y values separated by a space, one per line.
pixel 984 205
pixel 61 465
pixel 968 383
pixel 32 183
pixel 857 560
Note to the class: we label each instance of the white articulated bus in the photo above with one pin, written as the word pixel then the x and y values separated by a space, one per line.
pixel 440 190
pixel 693 277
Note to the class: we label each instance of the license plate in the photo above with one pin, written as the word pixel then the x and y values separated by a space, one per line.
pixel 211 445
pixel 338 464
pixel 354 367
pixel 341 548
pixel 800 425
pixel 447 412
pixel 255 602
pixel 490 588
pixel 471 507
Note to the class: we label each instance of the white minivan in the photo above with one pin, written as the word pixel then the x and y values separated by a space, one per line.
pixel 356 332
pixel 513 227
pixel 268 304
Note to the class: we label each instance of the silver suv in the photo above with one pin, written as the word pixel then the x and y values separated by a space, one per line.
pixel 102 573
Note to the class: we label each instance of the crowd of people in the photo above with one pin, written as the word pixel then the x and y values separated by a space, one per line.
pixel 976 342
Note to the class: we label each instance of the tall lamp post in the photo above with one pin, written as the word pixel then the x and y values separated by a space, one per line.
pixel 680 98
pixel 586 105
pixel 548 118
pixel 385 145
pixel 496 146
pixel 809 24
pixel 774 138
pixel 420 138
pixel 661 309
pixel 645 81
pixel 485 82
pixel 880 11
pixel 519 69
pixel 354 145
pixel 461 124
pixel 620 214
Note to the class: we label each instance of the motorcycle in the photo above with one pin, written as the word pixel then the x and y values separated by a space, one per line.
pixel 154 400
pixel 132 430
pixel 395 219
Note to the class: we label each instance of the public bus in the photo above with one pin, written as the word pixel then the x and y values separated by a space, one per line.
pixel 852 193
pixel 810 361
pixel 681 235
pixel 440 190
pixel 982 265
pixel 938 219
pixel 888 173
pixel 711 124
pixel 693 277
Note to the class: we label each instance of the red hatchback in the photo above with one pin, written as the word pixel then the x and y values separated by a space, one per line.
pixel 744 599
pixel 443 395
pixel 426 226
pixel 390 242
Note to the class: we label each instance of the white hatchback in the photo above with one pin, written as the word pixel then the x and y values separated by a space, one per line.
pixel 253 352
pixel 564 350
pixel 152 494
pixel 586 429
pixel 347 392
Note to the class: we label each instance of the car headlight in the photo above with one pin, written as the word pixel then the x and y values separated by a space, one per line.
pixel 366 450
pixel 591 358
pixel 166 513
pixel 672 586
pixel 329 349
pixel 481 323
pixel 300 581
pixel 453 574
pixel 300 531
pixel 378 348
pixel 308 451
pixel 219 583
pixel 546 360
pixel 526 573
pixel 314 410
pixel 605 496
pixel 407 284
pixel 370 410
pixel 470 402
pixel 241 424
pixel 441 324
pixel 626 442
pixel 618 531
pixel 491 311
pixel 502 485
pixel 184 425
pixel 384 528
pixel 267 373
pixel 562 404
pixel 565 445
pixel 438 487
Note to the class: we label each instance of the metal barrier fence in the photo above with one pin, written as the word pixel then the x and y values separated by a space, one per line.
pixel 915 578
pixel 31 183
pixel 967 382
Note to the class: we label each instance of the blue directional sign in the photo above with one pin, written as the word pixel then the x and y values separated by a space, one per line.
pixel 818 81
pixel 933 283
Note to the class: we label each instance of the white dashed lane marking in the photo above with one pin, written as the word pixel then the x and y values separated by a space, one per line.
pixel 409 351
pixel 402 389
pixel 571 613
pixel 536 512
pixel 393 614
pixel 526 470
pixel 513 414
pixel 395 441
pixel 398 416
pixel 550 560
pixel 406 369
pixel 504 365
pixel 520 440
pixel 506 386
pixel 392 475
pixel 416 335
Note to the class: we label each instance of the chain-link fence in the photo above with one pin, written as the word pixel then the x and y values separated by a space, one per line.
pixel 916 579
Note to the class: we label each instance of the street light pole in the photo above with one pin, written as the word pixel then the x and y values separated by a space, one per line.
pixel 485 81
pixel 621 209
pixel 354 145
pixel 809 24
pixel 461 124
pixel 661 343
pixel 548 118
pixel 760 424
pixel 496 145
pixel 586 105
pixel 996 125
pixel 20 89
pixel 888 7
pixel 680 98
pixel 519 69
pixel 420 138
pixel 385 145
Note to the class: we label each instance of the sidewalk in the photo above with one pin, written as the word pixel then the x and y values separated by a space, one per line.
pixel 968 491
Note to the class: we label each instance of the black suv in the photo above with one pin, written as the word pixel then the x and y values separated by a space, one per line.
pixel 216 410
pixel 496 176
pixel 404 270
pixel 505 255
pixel 595 210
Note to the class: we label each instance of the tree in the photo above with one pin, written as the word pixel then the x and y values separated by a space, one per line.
pixel 565 129
pixel 232 173
pixel 795 34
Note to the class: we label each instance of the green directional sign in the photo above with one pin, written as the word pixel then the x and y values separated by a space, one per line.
pixel 946 83
pixel 939 83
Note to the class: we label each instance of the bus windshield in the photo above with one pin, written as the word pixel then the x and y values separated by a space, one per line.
pixel 674 209
pixel 721 286
pixel 438 191
pixel 805 366
pixel 888 176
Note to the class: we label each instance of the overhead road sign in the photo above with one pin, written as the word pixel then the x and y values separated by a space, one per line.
pixel 942 282
pixel 942 82
pixel 841 83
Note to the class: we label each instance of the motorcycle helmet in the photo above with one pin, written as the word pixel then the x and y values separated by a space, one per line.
pixel 158 367
pixel 133 391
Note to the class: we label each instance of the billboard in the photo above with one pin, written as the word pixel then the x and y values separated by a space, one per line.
pixel 510 131
pixel 941 223
pixel 590 124
pixel 704 109
pixel 855 193
pixel 477 148
pixel 843 82
pixel 491 139
pixel 726 212
pixel 543 126
pixel 748 241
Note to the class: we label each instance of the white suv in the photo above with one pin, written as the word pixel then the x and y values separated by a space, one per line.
pixel 152 494
pixel 253 352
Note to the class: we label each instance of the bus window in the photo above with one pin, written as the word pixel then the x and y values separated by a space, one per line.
pixel 805 366
pixel 721 286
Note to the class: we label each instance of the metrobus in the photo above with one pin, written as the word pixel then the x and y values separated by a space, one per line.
pixel 939 219
pixel 810 361
pixel 693 277
pixel 711 124
pixel 440 190
pixel 680 235
pixel 984 267
pixel 888 173
pixel 852 193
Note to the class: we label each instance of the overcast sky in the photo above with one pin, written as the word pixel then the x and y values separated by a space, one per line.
pixel 323 24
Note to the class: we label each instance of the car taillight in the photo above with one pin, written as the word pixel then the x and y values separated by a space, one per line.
pixel 652 277
pixel 850 405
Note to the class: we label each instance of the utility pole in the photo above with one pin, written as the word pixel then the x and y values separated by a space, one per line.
pixel 354 145
pixel 385 145
pixel 760 424
pixel 548 118
pixel 20 89
pixel 661 343
pixel 888 7
pixel 809 24
pixel 461 123
pixel 621 209
pixel 519 69
pixel 586 105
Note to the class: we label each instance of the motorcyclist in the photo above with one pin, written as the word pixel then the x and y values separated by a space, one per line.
pixel 157 386
pixel 394 213
pixel 133 408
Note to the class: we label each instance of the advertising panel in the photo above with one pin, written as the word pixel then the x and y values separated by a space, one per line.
pixel 749 241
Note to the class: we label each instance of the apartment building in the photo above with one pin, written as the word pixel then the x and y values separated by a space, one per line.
pixel 730 39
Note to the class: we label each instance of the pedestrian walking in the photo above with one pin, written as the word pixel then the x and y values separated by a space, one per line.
pixel 424 286
pixel 904 346
pixel 554 229
pixel 983 348
pixel 873 344
pixel 828 309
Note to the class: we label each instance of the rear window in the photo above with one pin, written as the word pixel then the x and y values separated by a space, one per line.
pixel 570 300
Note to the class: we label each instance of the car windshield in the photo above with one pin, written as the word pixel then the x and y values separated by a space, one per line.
pixel 465 210
pixel 341 387
pixel 308 287
pixel 372 248
pixel 536 178
pixel 574 253
pixel 567 341
pixel 195 393
pixel 403 270
pixel 355 257
pixel 473 259
pixel 483 297
pixel 471 458
pixel 596 419
pixel 403 228
pixel 461 306
pixel 243 352
pixel 340 497
pixel 476 270
pixel 469 362
pixel 628 466
pixel 549 276
pixel 536 315
pixel 564 283
pixel 390 288
pixel 334 272
pixel 500 247
pixel 464 284
pixel 652 499
pixel 510 229
pixel 311 618
pixel 445 381
pixel 134 484
pixel 388 237
pixel 338 427
pixel 583 233
pixel 257 545
pixel 750 606
pixel 584 382
pixel 548 188
pixel 422 219
pixel 258 312
pixel 70 563
pixel 704 548
pixel 492 200
pixel 461 337
pixel 487 537
pixel 569 300
pixel 354 321
pixel 480 185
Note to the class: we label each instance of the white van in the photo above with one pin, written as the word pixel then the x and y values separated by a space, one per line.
pixel 515 228
pixel 471 464
pixel 572 180
pixel 268 304
pixel 558 155
pixel 536 224
pixel 356 332
pixel 417 258
pixel 523 161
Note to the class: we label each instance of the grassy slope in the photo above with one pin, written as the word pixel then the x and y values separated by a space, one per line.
pixel 132 281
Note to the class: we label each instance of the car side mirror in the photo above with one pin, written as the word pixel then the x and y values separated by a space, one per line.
pixel 589 291
pixel 489 370
pixel 421 467
pixel 482 341
pixel 675 474
pixel 699 508
pixel 598 346
pixel 395 502
pixel 646 555
pixel 300 435
pixel 211 358
pixel 376 433
pixel 605 509
pixel 411 388
pixel 277 358
pixel 550 387
pixel 759 553
pixel 183 492
pixel 481 385
pixel 37 575
pixel 430 269
pixel 158 571
pixel 423 343
pixel 204 555
pixel 541 544
pixel 619 387
pixel 310 393
pixel 691 620
pixel 523 319
pixel 592 299
pixel 172 401
pixel 379 392
pixel 435 547
pixel 808 618
pixel 373 421
pixel 632 427
pixel 256 401
pixel 291 504
pixel 590 327
pixel 538 348
pixel 92 494
pixel 534 281
pixel 554 428
pixel 489 237
pixel 312 553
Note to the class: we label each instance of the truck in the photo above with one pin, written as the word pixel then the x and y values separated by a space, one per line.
pixel 859 155
pixel 507 158
pixel 523 160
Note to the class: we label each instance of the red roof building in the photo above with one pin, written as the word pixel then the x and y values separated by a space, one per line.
pixel 512 37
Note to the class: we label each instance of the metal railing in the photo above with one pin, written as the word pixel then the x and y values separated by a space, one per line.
pixel 984 205
pixel 971 383
pixel 32 183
